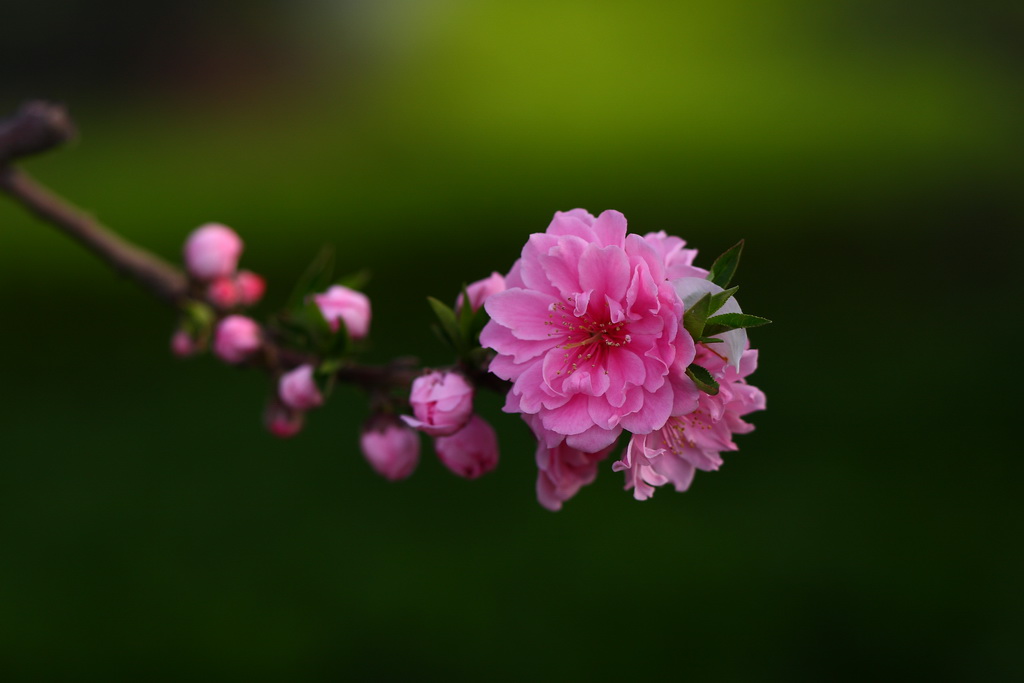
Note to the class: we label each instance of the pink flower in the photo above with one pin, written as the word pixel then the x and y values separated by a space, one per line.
pixel 694 441
pixel 391 448
pixel 480 290
pixel 562 471
pixel 237 338
pixel 678 261
pixel 298 389
pixel 250 287
pixel 212 251
pixel 182 344
pixel 588 331
pixel 282 421
pixel 343 304
pixel 470 452
pixel 223 292
pixel 442 403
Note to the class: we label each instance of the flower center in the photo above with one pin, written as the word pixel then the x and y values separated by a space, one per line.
pixel 585 337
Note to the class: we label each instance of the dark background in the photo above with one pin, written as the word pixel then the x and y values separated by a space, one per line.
pixel 869 528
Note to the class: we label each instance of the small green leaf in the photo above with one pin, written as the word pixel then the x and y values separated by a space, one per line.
pixel 465 314
pixel 703 379
pixel 718 300
pixel 341 343
pixel 724 267
pixel 709 340
pixel 449 324
pixel 316 278
pixel 696 315
pixel 738 320
pixel 357 280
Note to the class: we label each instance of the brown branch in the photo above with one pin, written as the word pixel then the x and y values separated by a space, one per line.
pixel 38 127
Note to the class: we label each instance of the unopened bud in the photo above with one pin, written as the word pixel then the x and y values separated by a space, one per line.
pixel 470 452
pixel 346 305
pixel 223 293
pixel 212 251
pixel 391 448
pixel 480 290
pixel 282 421
pixel 297 389
pixel 182 344
pixel 250 287
pixel 237 338
pixel 442 402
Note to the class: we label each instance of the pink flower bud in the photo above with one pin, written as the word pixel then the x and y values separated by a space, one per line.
pixel 182 344
pixel 236 339
pixel 223 292
pixel 480 290
pixel 342 303
pixel 282 421
pixel 250 287
pixel 391 448
pixel 470 452
pixel 298 390
pixel 442 403
pixel 212 251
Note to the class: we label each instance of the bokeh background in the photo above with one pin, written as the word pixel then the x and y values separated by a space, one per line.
pixel 870 153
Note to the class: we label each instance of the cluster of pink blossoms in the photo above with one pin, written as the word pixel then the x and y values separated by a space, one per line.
pixel 589 331
pixel 596 330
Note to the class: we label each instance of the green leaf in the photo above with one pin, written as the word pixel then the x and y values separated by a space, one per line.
pixel 737 320
pixel 724 267
pixel 341 343
pixel 696 315
pixel 703 379
pixel 357 280
pixel 709 340
pixel 449 324
pixel 316 278
pixel 718 300
pixel 465 314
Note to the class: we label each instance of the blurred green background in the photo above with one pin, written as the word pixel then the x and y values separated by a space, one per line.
pixel 869 152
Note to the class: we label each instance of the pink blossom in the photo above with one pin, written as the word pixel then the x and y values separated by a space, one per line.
pixel 562 471
pixel 282 421
pixel 223 292
pixel 250 287
pixel 237 338
pixel 588 331
pixel 442 403
pixel 212 251
pixel 182 344
pixel 391 448
pixel 298 389
pixel 470 452
pixel 480 290
pixel 343 304
pixel 678 261
pixel 694 441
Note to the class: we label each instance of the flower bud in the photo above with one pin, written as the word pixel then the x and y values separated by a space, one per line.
pixel 480 290
pixel 250 287
pixel 182 344
pixel 223 293
pixel 348 305
pixel 282 421
pixel 470 452
pixel 298 390
pixel 212 251
pixel 237 338
pixel 391 448
pixel 442 403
